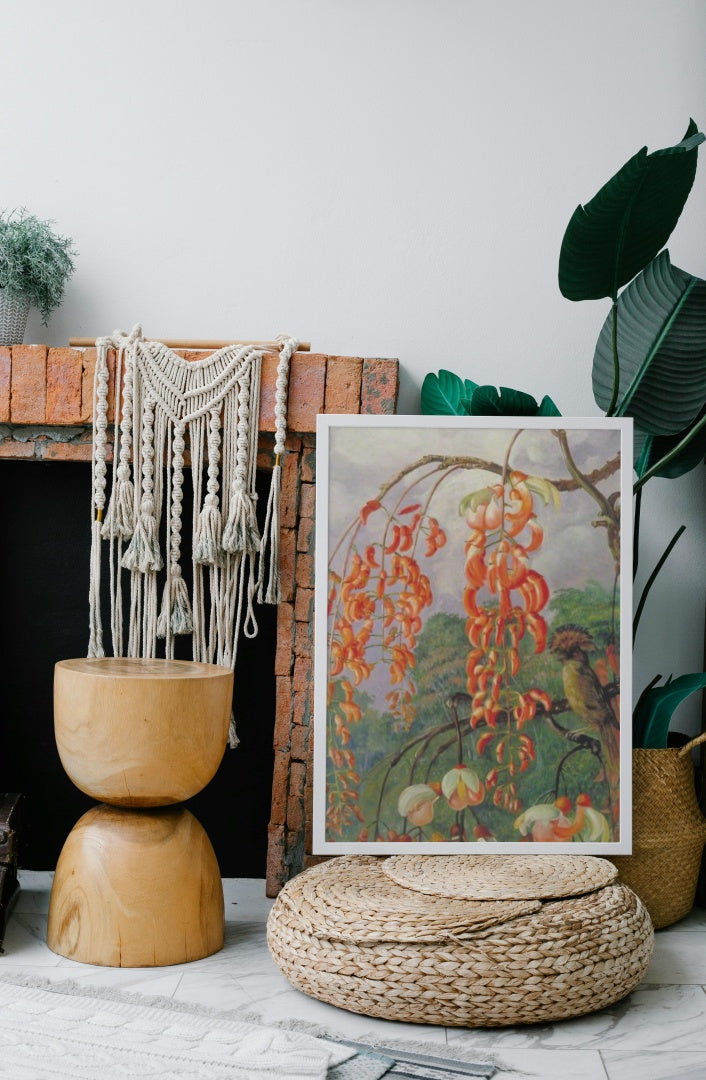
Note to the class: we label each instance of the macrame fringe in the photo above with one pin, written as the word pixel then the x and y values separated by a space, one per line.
pixel 120 518
pixel 142 553
pixel 241 532
pixel 175 615
pixel 161 401
pixel 95 640
pixel 273 593
pixel 208 542
pixel 233 740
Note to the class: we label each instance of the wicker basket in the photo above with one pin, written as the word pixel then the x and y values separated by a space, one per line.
pixel 457 962
pixel 669 832
pixel 13 318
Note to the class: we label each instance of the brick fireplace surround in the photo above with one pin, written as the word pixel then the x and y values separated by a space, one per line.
pixel 45 415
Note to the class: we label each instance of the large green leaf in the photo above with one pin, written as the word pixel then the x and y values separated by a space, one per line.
pixel 489 401
pixel 610 239
pixel 661 350
pixel 446 394
pixel 654 710
pixel 649 450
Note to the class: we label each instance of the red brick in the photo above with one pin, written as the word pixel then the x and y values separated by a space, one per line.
pixel 289 500
pixel 301 711
pixel 28 384
pixel 302 674
pixel 287 562
pixel 285 631
pixel 343 381
pixel 305 571
pixel 64 379
pixel 307 383
pixel 10 448
pixel 89 368
pixel 306 534
pixel 295 815
pixel 379 387
pixel 302 639
pixel 308 466
pixel 283 712
pixel 275 860
pixel 280 778
pixel 304 605
pixel 54 451
pixel 307 500
pixel 5 374
pixel 297 779
pixel 300 736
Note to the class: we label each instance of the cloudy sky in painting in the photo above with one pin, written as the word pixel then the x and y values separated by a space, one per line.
pixel 362 459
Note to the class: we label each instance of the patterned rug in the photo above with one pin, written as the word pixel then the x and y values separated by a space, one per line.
pixel 64 1031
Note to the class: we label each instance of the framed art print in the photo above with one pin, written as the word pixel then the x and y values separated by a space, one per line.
pixel 473 635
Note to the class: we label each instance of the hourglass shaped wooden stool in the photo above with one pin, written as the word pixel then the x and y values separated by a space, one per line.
pixel 137 883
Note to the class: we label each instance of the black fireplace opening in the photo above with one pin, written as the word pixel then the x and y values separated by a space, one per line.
pixel 44 561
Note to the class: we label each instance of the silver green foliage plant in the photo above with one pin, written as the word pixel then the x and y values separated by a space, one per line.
pixel 35 262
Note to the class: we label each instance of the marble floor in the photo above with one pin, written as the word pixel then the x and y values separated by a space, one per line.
pixel 658 1033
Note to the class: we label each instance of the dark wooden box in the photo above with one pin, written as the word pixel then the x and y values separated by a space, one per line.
pixel 10 833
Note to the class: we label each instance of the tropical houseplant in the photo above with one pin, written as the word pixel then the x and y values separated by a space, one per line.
pixel 35 264
pixel 650 358
pixel 649 364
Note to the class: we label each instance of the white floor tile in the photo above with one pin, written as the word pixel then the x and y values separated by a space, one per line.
pixel 676 1065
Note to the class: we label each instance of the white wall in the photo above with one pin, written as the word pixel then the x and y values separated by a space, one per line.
pixel 383 177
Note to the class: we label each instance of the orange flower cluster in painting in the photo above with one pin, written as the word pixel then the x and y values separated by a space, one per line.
pixel 376 611
pixel 503 598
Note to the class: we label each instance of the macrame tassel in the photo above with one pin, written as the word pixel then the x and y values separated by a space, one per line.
pixel 208 548
pixel 273 593
pixel 241 532
pixel 233 739
pixel 95 640
pixel 120 518
pixel 175 614
pixel 143 552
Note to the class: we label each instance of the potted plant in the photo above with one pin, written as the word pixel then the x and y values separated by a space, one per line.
pixel 650 364
pixel 35 264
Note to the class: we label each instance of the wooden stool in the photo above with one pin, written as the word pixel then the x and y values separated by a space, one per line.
pixel 137 886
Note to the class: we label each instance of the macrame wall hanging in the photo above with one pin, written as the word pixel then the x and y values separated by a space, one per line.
pixel 161 400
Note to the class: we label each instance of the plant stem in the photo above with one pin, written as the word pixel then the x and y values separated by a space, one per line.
pixel 636 533
pixel 691 433
pixel 616 365
pixel 651 580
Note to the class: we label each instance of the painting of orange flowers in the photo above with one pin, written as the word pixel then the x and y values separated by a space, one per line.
pixel 473 604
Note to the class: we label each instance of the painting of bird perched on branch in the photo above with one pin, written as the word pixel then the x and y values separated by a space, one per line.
pixel 470 615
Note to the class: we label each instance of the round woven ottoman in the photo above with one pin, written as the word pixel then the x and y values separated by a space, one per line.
pixel 462 940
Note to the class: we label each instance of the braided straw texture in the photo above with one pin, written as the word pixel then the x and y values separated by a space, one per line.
pixel 360 903
pixel 669 832
pixel 501 877
pixel 571 957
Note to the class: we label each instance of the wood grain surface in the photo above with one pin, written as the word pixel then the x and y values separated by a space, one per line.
pixel 136 889
pixel 141 732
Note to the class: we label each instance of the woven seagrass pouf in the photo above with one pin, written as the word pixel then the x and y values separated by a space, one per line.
pixel 465 941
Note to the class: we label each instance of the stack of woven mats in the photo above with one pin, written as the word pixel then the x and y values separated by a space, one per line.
pixel 462 940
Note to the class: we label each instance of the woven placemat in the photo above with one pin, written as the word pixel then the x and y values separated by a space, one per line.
pixel 358 902
pixel 500 877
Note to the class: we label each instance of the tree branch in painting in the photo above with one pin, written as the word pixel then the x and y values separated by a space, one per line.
pixel 471 701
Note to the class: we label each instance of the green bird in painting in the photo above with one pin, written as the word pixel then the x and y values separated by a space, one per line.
pixel 586 696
